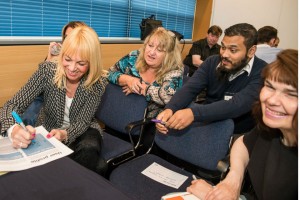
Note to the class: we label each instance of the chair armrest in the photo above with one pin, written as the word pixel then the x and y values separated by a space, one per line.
pixel 135 124
pixel 224 166
pixel 141 123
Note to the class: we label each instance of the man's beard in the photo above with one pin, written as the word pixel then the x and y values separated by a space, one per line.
pixel 223 73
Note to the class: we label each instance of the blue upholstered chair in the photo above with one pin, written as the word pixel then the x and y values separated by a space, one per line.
pixel 195 150
pixel 116 111
pixel 186 70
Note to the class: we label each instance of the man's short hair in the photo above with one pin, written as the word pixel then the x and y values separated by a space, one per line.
pixel 245 30
pixel 266 33
pixel 215 30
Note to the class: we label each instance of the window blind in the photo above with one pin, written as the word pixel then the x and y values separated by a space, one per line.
pixel 174 15
pixel 112 18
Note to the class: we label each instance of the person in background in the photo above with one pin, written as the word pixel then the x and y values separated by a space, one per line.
pixel 72 90
pixel 276 42
pixel 232 80
pixel 32 112
pixel 270 152
pixel 266 49
pixel 155 71
pixel 54 47
pixel 203 48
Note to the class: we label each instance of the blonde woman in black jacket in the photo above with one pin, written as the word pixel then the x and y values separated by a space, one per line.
pixel 72 91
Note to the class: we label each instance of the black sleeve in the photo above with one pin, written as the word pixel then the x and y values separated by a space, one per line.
pixel 250 140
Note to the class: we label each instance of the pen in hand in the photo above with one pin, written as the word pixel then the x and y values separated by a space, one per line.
pixel 194 177
pixel 19 120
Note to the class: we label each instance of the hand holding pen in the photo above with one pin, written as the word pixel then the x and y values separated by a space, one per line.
pixel 162 119
pixel 21 135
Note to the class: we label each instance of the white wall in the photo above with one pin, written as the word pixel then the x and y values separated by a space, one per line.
pixel 281 14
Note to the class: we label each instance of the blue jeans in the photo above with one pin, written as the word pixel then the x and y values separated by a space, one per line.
pixel 31 114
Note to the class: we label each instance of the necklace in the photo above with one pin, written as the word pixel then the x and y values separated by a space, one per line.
pixel 287 143
pixel 284 141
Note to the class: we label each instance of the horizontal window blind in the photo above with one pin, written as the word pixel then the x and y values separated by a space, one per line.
pixel 112 18
pixel 174 14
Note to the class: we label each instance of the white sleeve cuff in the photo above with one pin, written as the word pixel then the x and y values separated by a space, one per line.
pixel 9 131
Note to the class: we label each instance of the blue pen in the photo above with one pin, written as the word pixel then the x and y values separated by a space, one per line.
pixel 19 120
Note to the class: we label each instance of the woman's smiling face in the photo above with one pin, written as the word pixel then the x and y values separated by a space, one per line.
pixel 75 67
pixel 279 103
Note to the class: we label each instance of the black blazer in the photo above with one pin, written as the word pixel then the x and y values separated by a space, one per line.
pixel 82 110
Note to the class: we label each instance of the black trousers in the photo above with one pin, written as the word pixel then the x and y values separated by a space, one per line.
pixel 87 151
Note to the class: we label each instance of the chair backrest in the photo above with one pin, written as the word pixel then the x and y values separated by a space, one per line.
pixel 201 144
pixel 116 110
pixel 186 70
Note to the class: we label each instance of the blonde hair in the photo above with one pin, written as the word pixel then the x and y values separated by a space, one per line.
pixel 170 44
pixel 83 40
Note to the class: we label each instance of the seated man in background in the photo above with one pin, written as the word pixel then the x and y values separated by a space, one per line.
pixel 276 42
pixel 266 41
pixel 203 48
pixel 232 80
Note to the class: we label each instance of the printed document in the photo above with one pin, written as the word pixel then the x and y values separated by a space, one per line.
pixel 164 175
pixel 40 151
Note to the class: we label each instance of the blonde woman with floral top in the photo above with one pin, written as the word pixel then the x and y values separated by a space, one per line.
pixel 155 71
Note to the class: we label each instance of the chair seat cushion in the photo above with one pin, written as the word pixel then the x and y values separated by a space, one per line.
pixel 113 147
pixel 208 142
pixel 129 179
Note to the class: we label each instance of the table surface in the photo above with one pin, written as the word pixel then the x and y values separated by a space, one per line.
pixel 59 179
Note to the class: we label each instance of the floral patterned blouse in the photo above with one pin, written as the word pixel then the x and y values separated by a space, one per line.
pixel 158 95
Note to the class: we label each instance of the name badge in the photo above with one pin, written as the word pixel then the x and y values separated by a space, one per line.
pixel 228 96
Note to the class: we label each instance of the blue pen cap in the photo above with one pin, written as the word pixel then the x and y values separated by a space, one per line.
pixel 17 117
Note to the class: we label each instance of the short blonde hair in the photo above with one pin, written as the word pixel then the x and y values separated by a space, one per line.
pixel 83 40
pixel 170 44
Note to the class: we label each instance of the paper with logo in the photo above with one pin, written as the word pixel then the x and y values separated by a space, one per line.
pixel 41 151
pixel 164 175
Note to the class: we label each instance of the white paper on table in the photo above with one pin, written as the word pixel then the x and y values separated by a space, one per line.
pixel 41 151
pixel 180 195
pixel 164 175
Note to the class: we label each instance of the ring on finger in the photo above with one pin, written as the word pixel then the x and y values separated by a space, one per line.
pixel 20 144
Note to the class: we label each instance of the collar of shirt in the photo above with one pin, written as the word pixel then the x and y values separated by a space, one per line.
pixel 214 46
pixel 263 45
pixel 247 69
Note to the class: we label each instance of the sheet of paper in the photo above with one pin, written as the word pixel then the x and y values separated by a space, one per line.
pixel 180 196
pixel 164 175
pixel 41 151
